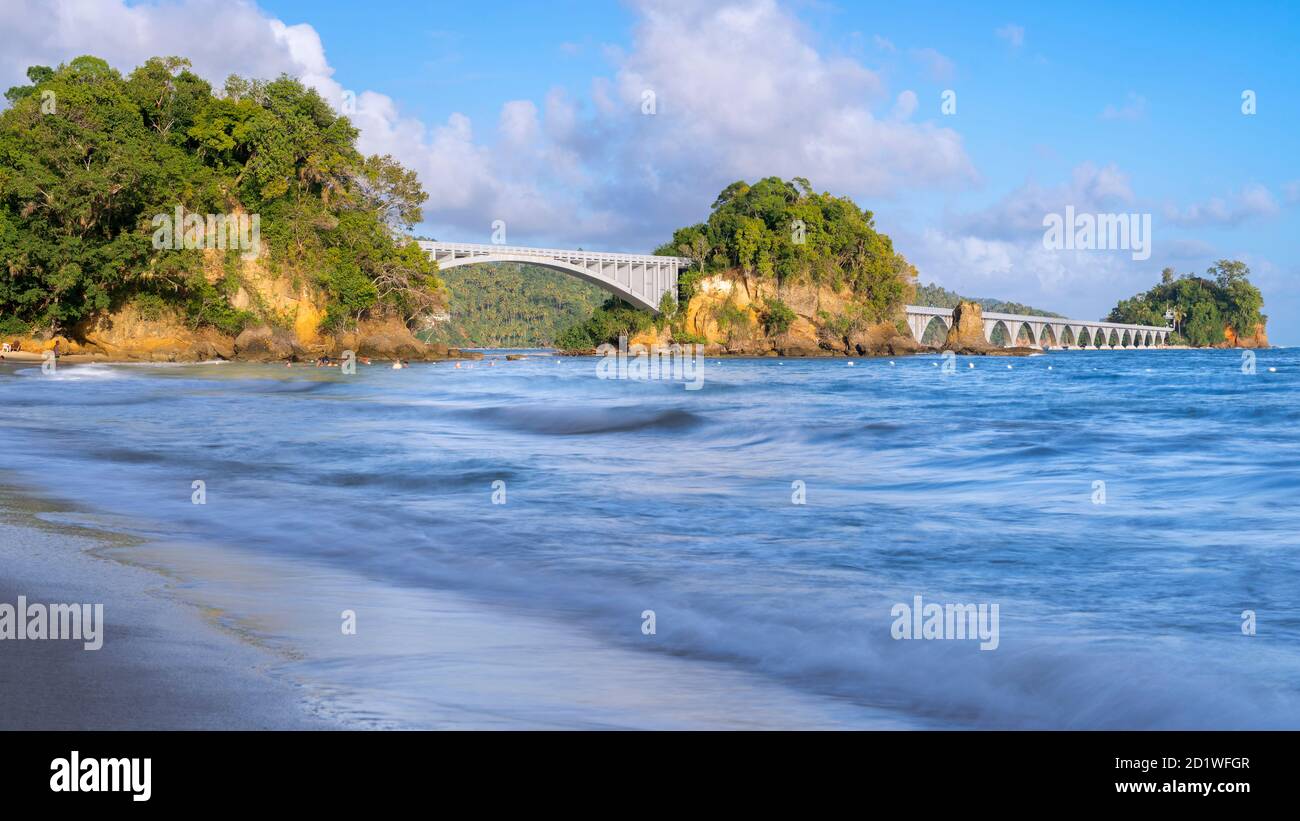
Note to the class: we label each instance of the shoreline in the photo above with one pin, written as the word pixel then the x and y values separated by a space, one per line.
pixel 164 665
pixel 475 354
pixel 201 636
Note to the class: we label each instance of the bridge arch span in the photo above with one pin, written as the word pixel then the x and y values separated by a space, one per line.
pixel 1044 331
pixel 638 279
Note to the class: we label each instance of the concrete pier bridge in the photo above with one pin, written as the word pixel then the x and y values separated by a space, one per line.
pixel 1045 331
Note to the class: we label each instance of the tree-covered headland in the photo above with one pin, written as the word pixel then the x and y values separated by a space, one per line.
pixel 89 159
pixel 780 234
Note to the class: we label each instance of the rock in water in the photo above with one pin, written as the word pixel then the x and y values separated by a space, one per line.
pixel 967 332
pixel 265 344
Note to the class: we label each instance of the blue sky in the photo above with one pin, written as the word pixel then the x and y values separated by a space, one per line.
pixel 531 113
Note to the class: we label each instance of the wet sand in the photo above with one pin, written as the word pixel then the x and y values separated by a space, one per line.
pixel 163 664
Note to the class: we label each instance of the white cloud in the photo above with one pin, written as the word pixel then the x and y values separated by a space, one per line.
pixel 518 124
pixel 1250 202
pixel 1013 34
pixel 1082 284
pixel 905 105
pixel 938 67
pixel 741 92
pixel 1019 214
pixel 247 42
pixel 998 251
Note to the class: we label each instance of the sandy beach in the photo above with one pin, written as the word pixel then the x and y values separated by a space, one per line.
pixel 202 637
pixel 163 664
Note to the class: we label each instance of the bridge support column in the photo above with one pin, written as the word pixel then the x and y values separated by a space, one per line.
pixel 989 325
pixel 917 323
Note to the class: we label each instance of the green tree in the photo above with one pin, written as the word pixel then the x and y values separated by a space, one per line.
pixel 1203 308
pixel 80 188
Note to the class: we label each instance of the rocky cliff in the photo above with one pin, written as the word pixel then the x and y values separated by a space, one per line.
pixel 1257 339
pixel 287 312
pixel 731 313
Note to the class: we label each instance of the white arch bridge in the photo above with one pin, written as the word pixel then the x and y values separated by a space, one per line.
pixel 640 279
pixel 643 279
pixel 1044 331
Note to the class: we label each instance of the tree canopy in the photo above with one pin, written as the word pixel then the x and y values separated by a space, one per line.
pixel 783 230
pixel 88 158
pixel 1203 306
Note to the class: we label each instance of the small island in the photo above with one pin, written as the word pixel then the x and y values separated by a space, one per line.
pixel 1218 310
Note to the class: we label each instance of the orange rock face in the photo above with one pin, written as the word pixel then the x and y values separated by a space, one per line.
pixel 1257 339
pixel 967 331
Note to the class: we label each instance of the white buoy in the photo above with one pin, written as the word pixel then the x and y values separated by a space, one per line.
pixel 1008 367
pixel 1272 370
pixel 970 364
pixel 1049 367
pixel 891 363
pixel 850 363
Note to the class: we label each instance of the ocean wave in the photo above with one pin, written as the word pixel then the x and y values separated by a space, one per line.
pixel 572 421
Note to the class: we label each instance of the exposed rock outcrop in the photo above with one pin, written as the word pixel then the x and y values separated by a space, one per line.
pixel 966 334
pixel 728 312
pixel 266 344
pixel 389 338
pixel 128 334
pixel 882 339
pixel 1257 339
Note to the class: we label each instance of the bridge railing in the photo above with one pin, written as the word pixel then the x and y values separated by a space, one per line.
pixel 474 249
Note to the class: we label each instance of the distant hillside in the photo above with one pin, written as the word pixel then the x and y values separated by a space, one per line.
pixel 511 305
pixel 936 296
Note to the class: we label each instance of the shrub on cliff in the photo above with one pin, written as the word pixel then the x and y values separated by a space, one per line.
pixel 88 158
pixel 777 316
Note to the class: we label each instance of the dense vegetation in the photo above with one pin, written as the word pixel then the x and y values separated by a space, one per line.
pixel 785 231
pixel 88 158
pixel 614 318
pixel 1203 307
pixel 779 231
pixel 511 305
pixel 936 296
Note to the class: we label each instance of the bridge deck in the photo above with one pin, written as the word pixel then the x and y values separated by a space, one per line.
pixel 1052 320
